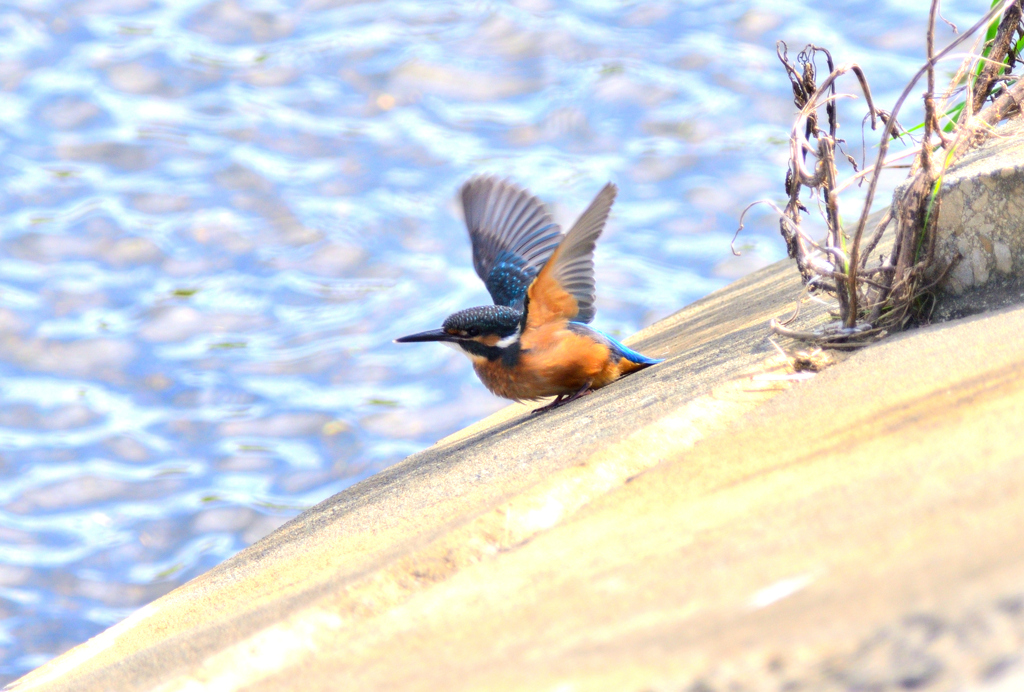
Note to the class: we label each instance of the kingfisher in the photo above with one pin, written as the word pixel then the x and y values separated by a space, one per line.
pixel 534 342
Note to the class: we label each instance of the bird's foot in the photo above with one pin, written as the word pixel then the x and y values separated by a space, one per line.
pixel 565 398
pixel 559 400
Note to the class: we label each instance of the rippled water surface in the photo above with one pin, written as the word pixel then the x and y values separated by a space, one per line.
pixel 215 216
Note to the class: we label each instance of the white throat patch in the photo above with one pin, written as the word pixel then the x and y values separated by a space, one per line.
pixel 455 347
pixel 509 340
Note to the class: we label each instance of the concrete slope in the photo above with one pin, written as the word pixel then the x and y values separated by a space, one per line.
pixel 850 534
pixel 345 541
pixel 704 521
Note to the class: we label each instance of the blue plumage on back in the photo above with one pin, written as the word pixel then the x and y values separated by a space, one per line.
pixel 629 354
pixel 509 278
pixel 512 235
pixel 618 349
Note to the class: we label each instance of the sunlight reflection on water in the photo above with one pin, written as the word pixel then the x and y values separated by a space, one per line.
pixel 217 215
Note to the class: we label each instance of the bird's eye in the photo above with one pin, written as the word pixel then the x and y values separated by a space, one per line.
pixel 471 332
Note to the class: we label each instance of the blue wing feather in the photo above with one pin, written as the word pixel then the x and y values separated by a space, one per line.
pixel 512 235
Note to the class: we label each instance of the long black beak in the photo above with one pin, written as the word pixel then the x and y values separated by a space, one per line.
pixel 432 335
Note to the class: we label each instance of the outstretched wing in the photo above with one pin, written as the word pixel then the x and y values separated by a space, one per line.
pixel 564 288
pixel 512 235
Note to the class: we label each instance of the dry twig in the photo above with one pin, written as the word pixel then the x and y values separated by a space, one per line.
pixel 877 299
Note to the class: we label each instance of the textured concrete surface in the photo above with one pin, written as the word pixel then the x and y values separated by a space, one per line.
pixel 716 522
pixel 980 228
pixel 388 528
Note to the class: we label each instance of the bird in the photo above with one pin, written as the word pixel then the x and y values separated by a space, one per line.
pixel 535 341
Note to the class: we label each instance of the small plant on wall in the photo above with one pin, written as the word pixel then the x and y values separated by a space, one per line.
pixel 878 293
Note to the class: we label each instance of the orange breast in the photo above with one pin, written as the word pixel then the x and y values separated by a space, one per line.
pixel 553 361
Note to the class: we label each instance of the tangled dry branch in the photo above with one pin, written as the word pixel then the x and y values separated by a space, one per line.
pixel 876 298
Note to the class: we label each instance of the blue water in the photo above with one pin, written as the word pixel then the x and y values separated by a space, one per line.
pixel 215 216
